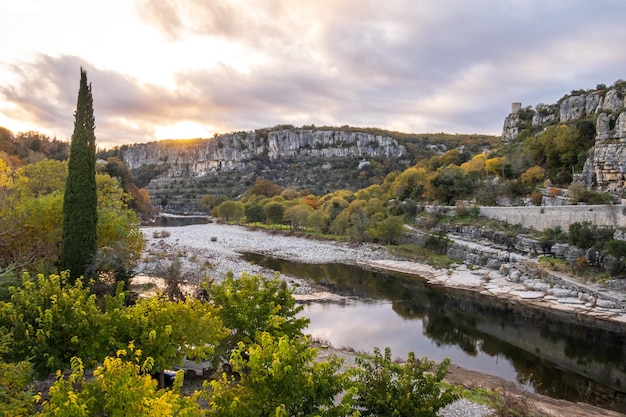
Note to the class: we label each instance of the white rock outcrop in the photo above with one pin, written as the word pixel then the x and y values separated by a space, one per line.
pixel 234 151
pixel 605 169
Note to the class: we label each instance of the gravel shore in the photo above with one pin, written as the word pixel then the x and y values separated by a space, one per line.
pixel 218 249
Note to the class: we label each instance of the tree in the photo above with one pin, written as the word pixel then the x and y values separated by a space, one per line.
pixel 616 249
pixel 495 165
pixel 140 200
pixel 231 210
pixel 359 221
pixel 208 202
pixel 274 212
pixel 31 215
pixel 409 184
pixel 414 388
pixel 450 183
pixel 387 229
pixel 254 213
pixel 167 331
pixel 334 204
pixel 533 176
pixel 310 200
pixel 297 215
pixel 477 164
pixel 317 221
pixel 340 224
pixel 80 203
pixel 5 174
pixel 253 304
pixel 31 212
pixel 120 241
pixel 266 188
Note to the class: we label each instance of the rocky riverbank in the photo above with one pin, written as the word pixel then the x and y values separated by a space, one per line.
pixel 211 251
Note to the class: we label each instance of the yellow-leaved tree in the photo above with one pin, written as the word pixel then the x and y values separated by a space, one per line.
pixel 31 212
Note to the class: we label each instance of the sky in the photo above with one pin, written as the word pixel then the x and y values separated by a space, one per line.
pixel 170 69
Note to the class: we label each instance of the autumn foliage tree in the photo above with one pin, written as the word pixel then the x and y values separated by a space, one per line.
pixel 31 213
pixel 80 214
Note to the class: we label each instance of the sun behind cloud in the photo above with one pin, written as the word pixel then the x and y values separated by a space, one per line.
pixel 184 130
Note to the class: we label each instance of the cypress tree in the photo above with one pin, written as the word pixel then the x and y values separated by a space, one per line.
pixel 80 216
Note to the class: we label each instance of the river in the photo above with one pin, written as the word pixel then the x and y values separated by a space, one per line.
pixel 551 354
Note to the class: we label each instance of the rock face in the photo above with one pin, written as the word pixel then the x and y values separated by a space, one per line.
pixel 236 151
pixel 511 125
pixel 605 169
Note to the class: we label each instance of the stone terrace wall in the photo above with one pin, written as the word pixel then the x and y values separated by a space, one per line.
pixel 540 218
pixel 543 217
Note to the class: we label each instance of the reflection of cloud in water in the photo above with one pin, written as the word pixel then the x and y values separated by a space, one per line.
pixel 365 325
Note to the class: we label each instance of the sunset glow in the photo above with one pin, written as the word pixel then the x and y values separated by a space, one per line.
pixel 181 69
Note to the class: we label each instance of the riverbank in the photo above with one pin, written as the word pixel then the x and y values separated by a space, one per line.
pixel 218 249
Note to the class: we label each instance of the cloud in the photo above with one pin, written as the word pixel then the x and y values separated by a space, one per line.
pixel 447 65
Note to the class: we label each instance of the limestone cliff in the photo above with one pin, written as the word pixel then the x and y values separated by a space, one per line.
pixel 178 173
pixel 235 151
pixel 605 168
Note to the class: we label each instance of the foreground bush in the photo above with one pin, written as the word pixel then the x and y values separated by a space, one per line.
pixel 279 377
pixel 120 387
pixel 276 371
pixel 414 388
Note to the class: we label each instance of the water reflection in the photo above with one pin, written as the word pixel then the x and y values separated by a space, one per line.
pixel 552 353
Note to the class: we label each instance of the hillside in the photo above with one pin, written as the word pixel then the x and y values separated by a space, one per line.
pixel 320 160
pixel 576 142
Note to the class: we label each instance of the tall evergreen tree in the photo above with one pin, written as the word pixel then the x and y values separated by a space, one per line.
pixel 80 216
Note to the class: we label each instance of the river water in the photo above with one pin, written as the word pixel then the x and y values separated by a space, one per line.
pixel 554 354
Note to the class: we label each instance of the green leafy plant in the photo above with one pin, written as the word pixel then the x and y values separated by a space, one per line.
pixel 121 387
pixel 279 376
pixel 254 304
pixel 413 388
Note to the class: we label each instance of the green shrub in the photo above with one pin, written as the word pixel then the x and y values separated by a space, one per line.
pixel 413 388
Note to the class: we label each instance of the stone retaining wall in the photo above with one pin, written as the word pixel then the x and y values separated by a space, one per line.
pixel 540 218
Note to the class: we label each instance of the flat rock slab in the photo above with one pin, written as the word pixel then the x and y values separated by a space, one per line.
pixel 570 300
pixel 528 295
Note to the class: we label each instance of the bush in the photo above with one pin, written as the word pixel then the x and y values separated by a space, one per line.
pixel 550 236
pixel 465 210
pixel 279 377
pixel 254 304
pixel 437 243
pixel 586 235
pixel 536 198
pixel 414 388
